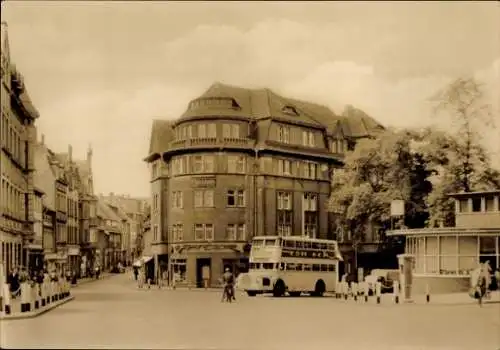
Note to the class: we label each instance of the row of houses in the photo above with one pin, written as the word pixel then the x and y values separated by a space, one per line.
pixel 50 216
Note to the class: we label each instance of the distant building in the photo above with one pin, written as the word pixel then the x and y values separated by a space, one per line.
pixel 17 195
pixel 135 211
pixel 444 257
pixel 242 162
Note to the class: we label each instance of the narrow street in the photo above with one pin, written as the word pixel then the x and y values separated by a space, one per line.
pixel 114 314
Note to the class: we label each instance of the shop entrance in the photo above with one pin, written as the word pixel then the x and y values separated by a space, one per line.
pixel 202 266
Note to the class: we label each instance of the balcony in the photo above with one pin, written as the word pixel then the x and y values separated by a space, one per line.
pixel 211 142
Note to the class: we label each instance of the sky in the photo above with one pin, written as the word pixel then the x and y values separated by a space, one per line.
pixel 100 72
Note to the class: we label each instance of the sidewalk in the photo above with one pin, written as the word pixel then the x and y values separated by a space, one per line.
pixel 16 313
pixel 436 299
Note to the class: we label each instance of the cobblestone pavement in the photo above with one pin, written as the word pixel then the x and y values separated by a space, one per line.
pixel 114 313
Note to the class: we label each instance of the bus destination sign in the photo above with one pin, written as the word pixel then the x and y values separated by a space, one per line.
pixel 304 253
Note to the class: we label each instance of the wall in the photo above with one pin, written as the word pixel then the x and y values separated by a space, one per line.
pixel 440 284
pixel 478 220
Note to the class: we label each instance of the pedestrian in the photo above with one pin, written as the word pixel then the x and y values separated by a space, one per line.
pixel 14 283
pixel 136 273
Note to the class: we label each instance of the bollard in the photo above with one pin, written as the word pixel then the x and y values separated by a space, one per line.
pixel 7 299
pixel 339 290
pixel 428 293
pixel 35 295
pixel 378 291
pixel 53 295
pixel 366 286
pixel 396 291
pixel 346 290
pixel 354 288
pixel 47 292
pixel 25 297
pixel 1 296
pixel 43 294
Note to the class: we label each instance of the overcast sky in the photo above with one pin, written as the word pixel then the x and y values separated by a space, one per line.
pixel 99 72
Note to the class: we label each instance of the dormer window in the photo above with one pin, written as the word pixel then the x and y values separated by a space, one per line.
pixel 217 102
pixel 290 110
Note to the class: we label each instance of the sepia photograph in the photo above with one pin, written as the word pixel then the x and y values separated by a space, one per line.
pixel 250 175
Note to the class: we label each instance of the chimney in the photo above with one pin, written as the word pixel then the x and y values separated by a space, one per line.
pixel 70 153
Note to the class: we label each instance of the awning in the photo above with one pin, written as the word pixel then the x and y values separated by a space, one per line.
pixel 143 260
pixel 337 252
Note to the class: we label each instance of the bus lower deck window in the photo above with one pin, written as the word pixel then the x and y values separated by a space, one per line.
pixel 324 267
pixel 316 267
pixel 331 267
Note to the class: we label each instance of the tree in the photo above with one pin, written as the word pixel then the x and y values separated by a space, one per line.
pixel 375 173
pixel 458 159
pixel 463 101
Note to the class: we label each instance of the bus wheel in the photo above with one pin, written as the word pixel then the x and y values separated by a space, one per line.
pixel 294 294
pixel 251 293
pixel 279 288
pixel 319 288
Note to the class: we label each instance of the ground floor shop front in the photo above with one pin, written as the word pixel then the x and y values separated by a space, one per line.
pixel 204 266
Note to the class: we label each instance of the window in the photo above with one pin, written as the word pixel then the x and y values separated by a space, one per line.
pixel 178 232
pixel 231 232
pixel 203 198
pixel 236 232
pixel 235 198
pixel 236 164
pixel 310 202
pixel 309 170
pixel 490 203
pixel 197 164
pixel 476 204
pixel 283 134
pixel 177 199
pixel 204 232
pixel 308 138
pixel 178 165
pixel 155 201
pixel 284 167
pixel 284 200
pixel 212 130
pixel 464 205
pixel 208 164
pixel 231 131
pixel 179 269
pixel 155 232
pixel 201 131
pixel 242 232
pixel 154 170
pixel 310 224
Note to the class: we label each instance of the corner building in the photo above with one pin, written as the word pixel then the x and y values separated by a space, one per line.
pixel 236 164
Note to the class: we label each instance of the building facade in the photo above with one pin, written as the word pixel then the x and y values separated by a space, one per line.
pixel 236 164
pixel 444 257
pixel 133 212
pixel 17 196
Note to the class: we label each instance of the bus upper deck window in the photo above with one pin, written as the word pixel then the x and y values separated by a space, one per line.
pixel 289 244
pixel 299 244
pixel 307 245
pixel 258 243
pixel 315 245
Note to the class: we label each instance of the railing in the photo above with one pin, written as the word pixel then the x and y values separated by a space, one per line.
pixel 210 141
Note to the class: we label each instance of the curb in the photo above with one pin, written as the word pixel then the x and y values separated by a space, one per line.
pixel 36 313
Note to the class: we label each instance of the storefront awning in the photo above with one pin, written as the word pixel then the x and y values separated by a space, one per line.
pixel 143 260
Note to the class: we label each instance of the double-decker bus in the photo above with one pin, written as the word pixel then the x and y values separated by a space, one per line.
pixel 292 265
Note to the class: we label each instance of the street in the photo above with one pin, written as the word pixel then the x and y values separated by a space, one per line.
pixel 113 313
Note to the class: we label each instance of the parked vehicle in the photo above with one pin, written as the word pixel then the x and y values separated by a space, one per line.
pixel 385 277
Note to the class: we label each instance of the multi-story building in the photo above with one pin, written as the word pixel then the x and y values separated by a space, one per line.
pixel 45 181
pixel 135 213
pixel 18 134
pixel 109 236
pixel 239 163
